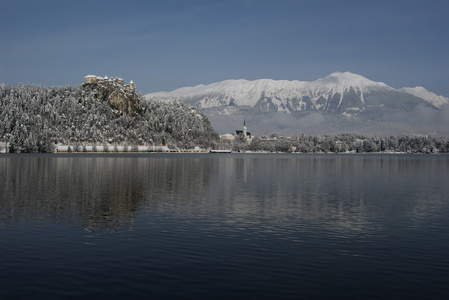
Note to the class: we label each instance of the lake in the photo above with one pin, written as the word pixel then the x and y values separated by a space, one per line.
pixel 224 226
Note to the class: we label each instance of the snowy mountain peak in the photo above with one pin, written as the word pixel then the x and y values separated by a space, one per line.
pixel 344 80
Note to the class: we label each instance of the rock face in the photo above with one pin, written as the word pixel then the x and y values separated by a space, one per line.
pixel 121 97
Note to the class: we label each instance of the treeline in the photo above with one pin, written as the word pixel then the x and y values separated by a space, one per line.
pixel 341 143
pixel 35 118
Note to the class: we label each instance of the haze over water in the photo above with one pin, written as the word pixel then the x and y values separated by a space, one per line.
pixel 202 226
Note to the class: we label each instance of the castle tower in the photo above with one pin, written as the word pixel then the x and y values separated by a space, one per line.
pixel 90 79
pixel 131 85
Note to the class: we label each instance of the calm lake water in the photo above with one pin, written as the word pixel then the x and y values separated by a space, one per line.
pixel 224 226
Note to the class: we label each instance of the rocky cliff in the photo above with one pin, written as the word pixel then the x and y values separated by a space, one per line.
pixel 120 97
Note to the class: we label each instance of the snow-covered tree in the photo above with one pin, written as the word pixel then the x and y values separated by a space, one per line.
pixel 33 117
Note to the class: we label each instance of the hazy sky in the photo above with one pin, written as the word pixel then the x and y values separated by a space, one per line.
pixel 164 45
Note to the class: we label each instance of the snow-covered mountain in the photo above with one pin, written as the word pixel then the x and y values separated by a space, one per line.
pixel 346 95
pixel 338 91
pixel 430 97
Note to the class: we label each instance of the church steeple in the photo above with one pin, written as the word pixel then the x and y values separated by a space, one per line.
pixel 244 135
pixel 245 130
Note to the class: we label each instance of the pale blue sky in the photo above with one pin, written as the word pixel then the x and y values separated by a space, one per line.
pixel 164 45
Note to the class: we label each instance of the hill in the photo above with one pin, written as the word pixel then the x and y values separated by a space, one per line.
pixel 36 118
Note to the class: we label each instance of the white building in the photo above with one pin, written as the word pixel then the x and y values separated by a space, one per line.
pixel 227 136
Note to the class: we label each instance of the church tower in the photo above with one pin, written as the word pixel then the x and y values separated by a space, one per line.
pixel 245 130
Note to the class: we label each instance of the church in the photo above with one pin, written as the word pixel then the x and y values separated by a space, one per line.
pixel 244 134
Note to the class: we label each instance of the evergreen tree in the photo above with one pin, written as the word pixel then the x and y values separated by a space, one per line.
pixel 33 118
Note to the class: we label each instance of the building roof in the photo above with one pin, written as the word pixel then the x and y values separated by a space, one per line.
pixel 241 132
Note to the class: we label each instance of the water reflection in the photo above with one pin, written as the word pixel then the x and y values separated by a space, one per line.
pixel 339 192
pixel 107 192
pixel 232 226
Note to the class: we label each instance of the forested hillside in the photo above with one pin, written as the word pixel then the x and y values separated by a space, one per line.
pixel 35 118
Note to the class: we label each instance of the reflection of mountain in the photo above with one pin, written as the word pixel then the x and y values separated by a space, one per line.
pixel 337 192
pixel 341 193
pixel 289 188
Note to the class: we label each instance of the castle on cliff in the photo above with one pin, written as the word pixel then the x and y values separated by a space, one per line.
pixel 122 97
pixel 98 79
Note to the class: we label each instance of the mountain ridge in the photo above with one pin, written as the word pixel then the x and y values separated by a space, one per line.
pixel 339 102
pixel 427 95
pixel 309 94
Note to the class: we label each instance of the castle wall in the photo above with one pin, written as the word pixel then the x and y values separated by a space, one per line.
pixel 90 79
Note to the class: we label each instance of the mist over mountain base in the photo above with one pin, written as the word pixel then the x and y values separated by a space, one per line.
pixel 422 120
pixel 338 103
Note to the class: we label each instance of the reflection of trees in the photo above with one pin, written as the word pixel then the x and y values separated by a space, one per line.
pixel 102 191
pixel 97 190
pixel 339 192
